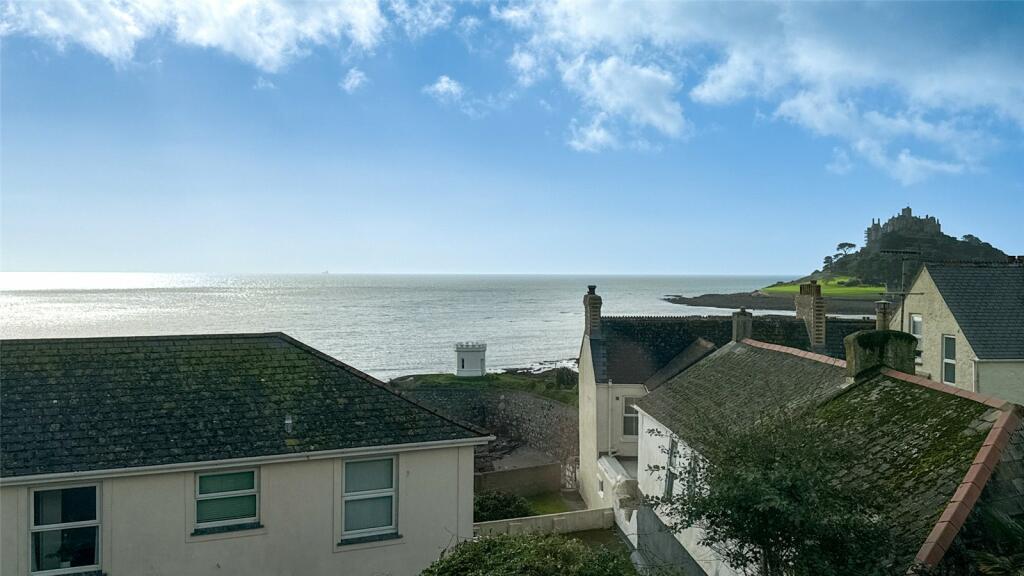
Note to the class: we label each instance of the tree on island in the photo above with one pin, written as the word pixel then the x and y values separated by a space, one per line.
pixel 767 501
pixel 845 247
pixel 827 263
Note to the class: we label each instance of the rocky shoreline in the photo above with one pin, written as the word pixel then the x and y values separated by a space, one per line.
pixel 762 301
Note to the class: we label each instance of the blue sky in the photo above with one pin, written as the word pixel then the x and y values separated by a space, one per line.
pixel 547 137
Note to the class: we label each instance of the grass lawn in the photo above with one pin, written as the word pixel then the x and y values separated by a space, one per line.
pixel 830 287
pixel 550 503
pixel 541 384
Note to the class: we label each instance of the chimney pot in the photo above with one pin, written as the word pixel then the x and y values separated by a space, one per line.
pixel 883 314
pixel 592 312
pixel 742 325
pixel 868 351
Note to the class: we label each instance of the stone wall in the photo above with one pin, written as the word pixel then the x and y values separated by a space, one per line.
pixel 526 481
pixel 542 424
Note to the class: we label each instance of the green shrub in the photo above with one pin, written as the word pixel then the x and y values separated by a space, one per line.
pixel 566 378
pixel 489 506
pixel 530 555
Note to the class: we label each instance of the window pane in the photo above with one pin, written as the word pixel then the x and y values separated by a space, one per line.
pixel 949 373
pixel 368 475
pixel 630 425
pixel 915 325
pixel 65 548
pixel 949 348
pixel 630 406
pixel 217 509
pixel 63 506
pixel 230 482
pixel 367 513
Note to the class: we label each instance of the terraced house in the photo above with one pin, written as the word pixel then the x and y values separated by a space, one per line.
pixel 220 454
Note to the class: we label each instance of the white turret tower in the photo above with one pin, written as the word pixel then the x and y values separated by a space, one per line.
pixel 470 359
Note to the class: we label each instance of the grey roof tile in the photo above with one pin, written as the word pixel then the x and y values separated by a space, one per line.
pixel 110 403
pixel 987 301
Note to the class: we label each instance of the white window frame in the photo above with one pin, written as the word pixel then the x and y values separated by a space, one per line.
pixel 254 491
pixel 367 494
pixel 33 528
pixel 918 352
pixel 946 361
pixel 634 416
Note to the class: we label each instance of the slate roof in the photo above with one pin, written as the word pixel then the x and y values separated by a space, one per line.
pixel 987 301
pixel 633 348
pixel 916 439
pixel 113 403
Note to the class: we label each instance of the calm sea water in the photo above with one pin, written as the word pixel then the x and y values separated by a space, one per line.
pixel 387 325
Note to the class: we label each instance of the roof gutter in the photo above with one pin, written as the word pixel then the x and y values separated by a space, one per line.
pixel 234 462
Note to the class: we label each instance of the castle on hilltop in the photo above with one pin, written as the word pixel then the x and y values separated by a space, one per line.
pixel 906 224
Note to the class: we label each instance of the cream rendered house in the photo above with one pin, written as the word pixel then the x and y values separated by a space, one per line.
pixel 224 454
pixel 969 322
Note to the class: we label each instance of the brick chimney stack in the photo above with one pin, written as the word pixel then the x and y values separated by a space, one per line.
pixel 810 307
pixel 883 314
pixel 742 325
pixel 592 312
pixel 868 351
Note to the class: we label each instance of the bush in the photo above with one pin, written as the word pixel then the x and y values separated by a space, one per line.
pixel 565 378
pixel 529 555
pixel 489 506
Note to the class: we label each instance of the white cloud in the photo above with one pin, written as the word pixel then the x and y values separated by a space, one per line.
pixel 263 84
pixel 592 137
pixel 445 90
pixel 893 83
pixel 353 80
pixel 421 17
pixel 266 33
pixel 840 163
pixel 641 94
pixel 527 67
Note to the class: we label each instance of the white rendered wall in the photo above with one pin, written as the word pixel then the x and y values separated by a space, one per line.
pixel 652 450
pixel 146 523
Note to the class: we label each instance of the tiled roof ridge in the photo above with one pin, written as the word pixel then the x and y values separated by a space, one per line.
pixel 990 401
pixel 966 496
pixel 135 338
pixel 380 384
pixel 795 352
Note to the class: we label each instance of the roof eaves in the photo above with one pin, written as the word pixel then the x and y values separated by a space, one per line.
pixel 966 496
pixel 370 379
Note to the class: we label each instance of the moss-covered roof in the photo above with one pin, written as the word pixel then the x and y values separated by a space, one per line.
pixel 914 444
pixel 110 403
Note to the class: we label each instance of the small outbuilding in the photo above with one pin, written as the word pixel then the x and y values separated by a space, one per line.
pixel 470 359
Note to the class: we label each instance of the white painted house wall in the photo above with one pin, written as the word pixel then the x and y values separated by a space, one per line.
pixel 147 521
pixel 653 450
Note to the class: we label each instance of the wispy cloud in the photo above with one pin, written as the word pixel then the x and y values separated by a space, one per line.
pixel 266 33
pixel 445 90
pixel 353 81
pixel 840 163
pixel 263 84
pixel 891 85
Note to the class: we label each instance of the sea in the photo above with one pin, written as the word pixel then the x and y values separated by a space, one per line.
pixel 386 325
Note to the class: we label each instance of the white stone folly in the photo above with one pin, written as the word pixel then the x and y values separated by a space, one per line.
pixel 470 359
